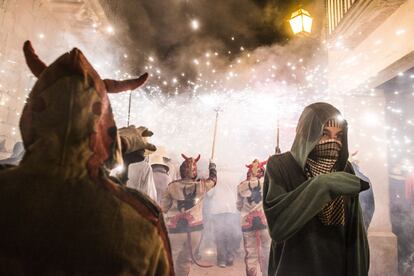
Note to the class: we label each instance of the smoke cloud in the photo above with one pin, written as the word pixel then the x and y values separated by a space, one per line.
pixel 163 31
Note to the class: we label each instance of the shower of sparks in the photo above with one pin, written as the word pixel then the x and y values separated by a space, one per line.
pixel 110 30
pixel 195 24
pixel 256 91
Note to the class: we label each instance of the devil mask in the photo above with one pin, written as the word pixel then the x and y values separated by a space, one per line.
pixel 256 169
pixel 68 111
pixel 188 169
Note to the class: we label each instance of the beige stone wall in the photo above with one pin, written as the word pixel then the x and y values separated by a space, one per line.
pixel 358 63
pixel 352 66
pixel 367 136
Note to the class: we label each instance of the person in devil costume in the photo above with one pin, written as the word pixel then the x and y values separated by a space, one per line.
pixel 256 238
pixel 60 212
pixel 183 204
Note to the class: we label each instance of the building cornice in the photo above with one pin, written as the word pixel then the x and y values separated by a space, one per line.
pixel 362 19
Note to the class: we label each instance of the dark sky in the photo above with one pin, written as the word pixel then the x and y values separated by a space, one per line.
pixel 161 28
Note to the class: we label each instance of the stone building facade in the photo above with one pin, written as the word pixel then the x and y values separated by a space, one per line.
pixel 370 42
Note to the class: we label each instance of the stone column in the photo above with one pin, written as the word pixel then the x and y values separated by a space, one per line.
pixel 368 136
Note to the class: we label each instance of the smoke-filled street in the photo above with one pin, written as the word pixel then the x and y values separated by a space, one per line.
pixel 195 137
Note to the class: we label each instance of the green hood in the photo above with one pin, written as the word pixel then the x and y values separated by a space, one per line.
pixel 310 129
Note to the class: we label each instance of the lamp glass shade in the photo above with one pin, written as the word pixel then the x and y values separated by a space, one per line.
pixel 301 22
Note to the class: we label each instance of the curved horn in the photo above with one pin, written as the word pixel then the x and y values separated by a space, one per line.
pixel 33 61
pixel 185 157
pixel 114 86
pixel 198 158
pixel 263 163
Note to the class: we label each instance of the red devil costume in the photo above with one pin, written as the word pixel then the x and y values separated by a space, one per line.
pixel 254 226
pixel 183 202
pixel 60 214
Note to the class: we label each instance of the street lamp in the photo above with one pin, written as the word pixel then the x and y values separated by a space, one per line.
pixel 301 22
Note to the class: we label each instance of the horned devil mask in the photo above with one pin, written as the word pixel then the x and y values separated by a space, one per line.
pixel 256 169
pixel 188 169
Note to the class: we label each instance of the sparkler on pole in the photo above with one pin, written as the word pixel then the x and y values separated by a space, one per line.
pixel 277 149
pixel 129 107
pixel 217 110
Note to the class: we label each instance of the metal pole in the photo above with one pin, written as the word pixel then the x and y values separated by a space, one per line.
pixel 277 149
pixel 129 107
pixel 217 110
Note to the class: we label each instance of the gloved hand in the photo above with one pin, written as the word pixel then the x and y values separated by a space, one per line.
pixel 212 171
pixel 135 139
pixel 211 164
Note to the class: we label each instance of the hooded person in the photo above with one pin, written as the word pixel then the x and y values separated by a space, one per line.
pixel 256 238
pixel 311 201
pixel 60 212
pixel 141 178
pixel 182 204
pixel 161 171
pixel 137 173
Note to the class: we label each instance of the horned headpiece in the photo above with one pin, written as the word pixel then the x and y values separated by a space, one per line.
pixel 188 168
pixel 69 104
pixel 256 169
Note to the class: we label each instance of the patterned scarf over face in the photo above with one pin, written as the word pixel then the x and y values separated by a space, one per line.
pixel 322 160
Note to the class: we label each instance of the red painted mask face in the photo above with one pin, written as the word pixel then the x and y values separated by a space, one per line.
pixel 188 169
pixel 256 169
